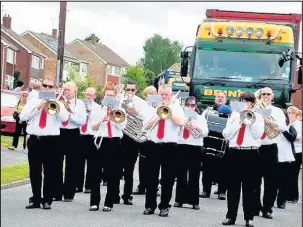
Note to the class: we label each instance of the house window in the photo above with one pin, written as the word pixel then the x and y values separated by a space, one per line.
pixel 84 68
pixel 109 69
pixel 9 80
pixel 11 57
pixel 41 63
pixel 35 62
pixel 118 71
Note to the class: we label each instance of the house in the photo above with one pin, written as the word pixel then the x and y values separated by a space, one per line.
pixel 48 45
pixel 105 65
pixel 29 61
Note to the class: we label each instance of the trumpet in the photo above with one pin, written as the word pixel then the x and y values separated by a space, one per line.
pixel 195 133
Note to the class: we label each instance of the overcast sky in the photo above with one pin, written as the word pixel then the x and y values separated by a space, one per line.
pixel 124 27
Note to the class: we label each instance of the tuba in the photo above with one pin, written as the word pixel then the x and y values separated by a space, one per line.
pixel 269 131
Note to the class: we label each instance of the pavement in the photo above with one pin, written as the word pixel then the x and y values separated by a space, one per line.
pixel 9 157
pixel 77 214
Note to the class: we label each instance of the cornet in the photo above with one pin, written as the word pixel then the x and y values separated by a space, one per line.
pixel 247 117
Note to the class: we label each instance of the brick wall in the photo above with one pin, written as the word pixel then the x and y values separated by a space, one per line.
pixel 96 68
pixel 51 60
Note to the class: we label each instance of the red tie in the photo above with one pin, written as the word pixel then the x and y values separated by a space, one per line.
pixel 161 127
pixel 185 133
pixel 263 136
pixel 84 127
pixel 241 134
pixel 64 123
pixel 109 126
pixel 43 117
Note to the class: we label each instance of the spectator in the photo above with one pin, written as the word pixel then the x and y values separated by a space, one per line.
pixel 20 85
pixel 20 126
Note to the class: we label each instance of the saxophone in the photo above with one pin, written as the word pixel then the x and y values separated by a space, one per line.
pixel 269 131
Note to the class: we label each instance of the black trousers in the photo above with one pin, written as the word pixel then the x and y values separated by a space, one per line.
pixel 68 148
pixel 109 156
pixel 18 129
pixel 285 171
pixel 242 165
pixel 41 158
pixel 268 169
pixel 160 155
pixel 87 148
pixel 143 168
pixel 188 174
pixel 214 169
pixel 130 150
pixel 293 192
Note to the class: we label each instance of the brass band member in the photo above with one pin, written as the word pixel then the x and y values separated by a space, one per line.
pixel 143 177
pixel 87 147
pixel 189 151
pixel 242 160
pixel 269 156
pixel 69 144
pixel 108 155
pixel 163 139
pixel 130 148
pixel 214 167
pixel 44 131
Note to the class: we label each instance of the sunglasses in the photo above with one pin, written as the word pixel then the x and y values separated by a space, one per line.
pixel 266 94
pixel 128 89
pixel 47 86
pixel 190 105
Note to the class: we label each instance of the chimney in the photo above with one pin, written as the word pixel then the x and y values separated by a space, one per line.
pixel 7 21
pixel 94 39
pixel 54 33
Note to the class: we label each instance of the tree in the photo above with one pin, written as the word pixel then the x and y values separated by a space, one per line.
pixel 89 38
pixel 150 77
pixel 136 73
pixel 160 53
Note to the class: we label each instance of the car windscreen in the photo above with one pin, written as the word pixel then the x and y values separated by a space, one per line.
pixel 9 100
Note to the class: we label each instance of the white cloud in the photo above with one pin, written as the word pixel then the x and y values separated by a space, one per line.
pixel 124 27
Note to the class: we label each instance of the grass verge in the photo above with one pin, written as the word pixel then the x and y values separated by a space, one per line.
pixel 14 173
pixel 7 141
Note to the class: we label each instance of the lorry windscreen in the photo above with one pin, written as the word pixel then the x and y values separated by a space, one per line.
pixel 239 66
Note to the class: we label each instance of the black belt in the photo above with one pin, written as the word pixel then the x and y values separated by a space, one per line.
pixel 42 137
pixel 244 148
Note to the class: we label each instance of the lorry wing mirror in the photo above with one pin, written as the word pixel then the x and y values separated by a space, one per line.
pixel 184 67
pixel 281 62
pixel 300 75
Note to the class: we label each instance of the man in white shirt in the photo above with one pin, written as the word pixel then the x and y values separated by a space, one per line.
pixel 213 166
pixel 87 147
pixel 242 161
pixel 44 131
pixel 130 148
pixel 69 144
pixel 189 153
pixel 269 157
pixel 163 139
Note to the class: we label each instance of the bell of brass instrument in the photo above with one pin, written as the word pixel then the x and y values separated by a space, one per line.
pixel 269 131
pixel 247 117
pixel 52 108
pixel 164 112
pixel 117 116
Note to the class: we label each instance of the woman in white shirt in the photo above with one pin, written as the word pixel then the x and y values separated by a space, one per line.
pixel 286 160
pixel 294 117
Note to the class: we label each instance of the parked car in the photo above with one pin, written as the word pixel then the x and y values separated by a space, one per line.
pixel 9 100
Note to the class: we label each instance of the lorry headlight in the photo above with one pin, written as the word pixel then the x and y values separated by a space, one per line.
pixel 230 30
pixel 249 31
pixel 259 32
pixel 239 31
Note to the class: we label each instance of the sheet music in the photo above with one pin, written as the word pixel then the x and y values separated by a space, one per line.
pixel 190 114
pixel 111 103
pixel 47 95
pixel 154 100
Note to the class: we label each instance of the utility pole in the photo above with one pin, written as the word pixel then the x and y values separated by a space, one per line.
pixel 61 41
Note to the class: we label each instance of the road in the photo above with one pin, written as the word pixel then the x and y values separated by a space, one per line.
pixel 76 214
pixel 9 157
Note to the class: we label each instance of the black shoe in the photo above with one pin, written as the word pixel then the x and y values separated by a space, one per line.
pixel 221 196
pixel 196 207
pixel 57 199
pixel 256 213
pixel 164 212
pixel 228 222
pixel 32 206
pixel 205 195
pixel 293 201
pixel 128 202
pixel 281 206
pixel 148 211
pixel 87 190
pixel 107 209
pixel 249 223
pixel 267 215
pixel 93 208
pixel 138 192
pixel 46 206
pixel 79 190
pixel 178 204
pixel 67 200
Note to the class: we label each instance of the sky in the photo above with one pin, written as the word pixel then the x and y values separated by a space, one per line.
pixel 124 27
